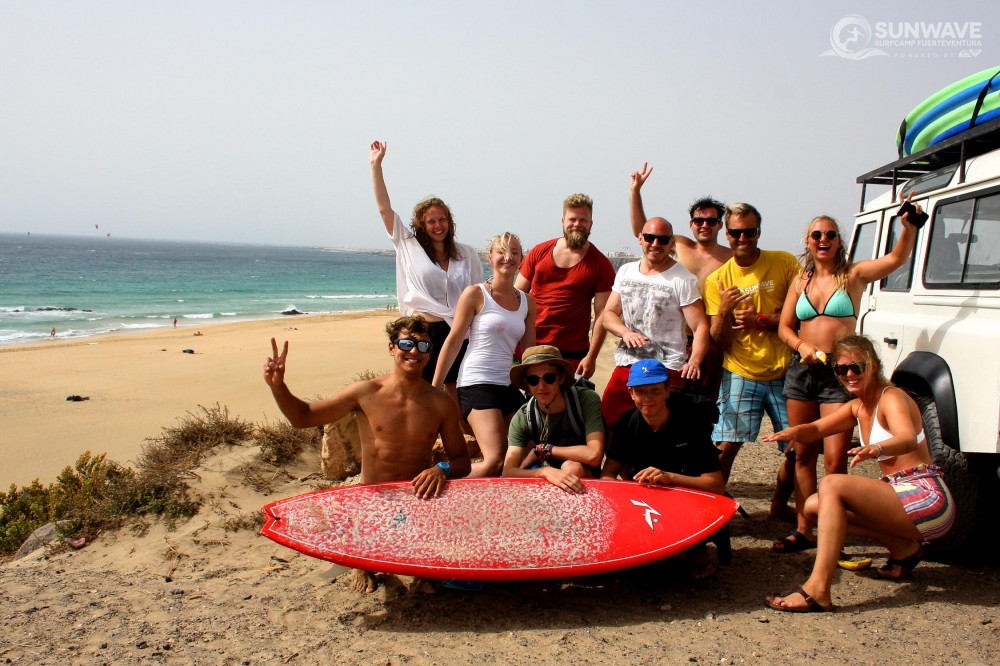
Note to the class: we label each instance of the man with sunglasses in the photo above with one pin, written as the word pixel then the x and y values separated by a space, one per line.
pixel 566 275
pixel 403 414
pixel 651 301
pixel 743 298
pixel 559 432
pixel 702 255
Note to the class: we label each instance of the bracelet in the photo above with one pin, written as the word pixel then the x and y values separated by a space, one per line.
pixel 800 343
pixel 879 447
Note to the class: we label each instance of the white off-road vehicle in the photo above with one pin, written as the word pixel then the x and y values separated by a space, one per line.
pixel 936 320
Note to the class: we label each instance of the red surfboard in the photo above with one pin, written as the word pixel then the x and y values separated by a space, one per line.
pixel 497 529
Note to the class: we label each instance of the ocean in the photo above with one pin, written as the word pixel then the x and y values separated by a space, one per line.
pixel 85 286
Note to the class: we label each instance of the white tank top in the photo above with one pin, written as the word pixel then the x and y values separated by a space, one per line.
pixel 493 335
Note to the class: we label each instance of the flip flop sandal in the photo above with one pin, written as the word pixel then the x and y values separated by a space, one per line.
pixel 793 543
pixel 906 566
pixel 812 606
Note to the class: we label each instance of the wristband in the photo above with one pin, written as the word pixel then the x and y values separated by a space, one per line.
pixel 762 322
pixel 879 447
pixel 446 468
pixel 799 344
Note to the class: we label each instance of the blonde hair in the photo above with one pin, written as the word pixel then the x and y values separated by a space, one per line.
pixel 578 201
pixel 502 242
pixel 860 347
pixel 840 268
pixel 741 209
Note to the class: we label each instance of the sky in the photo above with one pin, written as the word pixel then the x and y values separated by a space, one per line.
pixel 251 121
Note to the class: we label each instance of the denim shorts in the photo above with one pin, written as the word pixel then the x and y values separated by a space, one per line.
pixel 814 382
pixel 742 403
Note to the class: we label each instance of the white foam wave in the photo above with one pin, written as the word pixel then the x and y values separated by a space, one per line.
pixel 206 315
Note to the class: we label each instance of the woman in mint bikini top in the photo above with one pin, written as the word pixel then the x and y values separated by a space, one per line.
pixel 827 280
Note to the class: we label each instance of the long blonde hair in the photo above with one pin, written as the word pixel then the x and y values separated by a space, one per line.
pixel 841 268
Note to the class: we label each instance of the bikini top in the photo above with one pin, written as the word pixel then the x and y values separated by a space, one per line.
pixel 880 434
pixel 840 305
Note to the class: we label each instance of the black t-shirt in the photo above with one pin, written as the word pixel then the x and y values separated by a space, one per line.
pixel 682 446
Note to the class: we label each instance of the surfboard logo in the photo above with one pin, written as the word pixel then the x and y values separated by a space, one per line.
pixel 650 512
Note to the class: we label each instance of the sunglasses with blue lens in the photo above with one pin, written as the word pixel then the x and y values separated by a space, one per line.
pixel 405 344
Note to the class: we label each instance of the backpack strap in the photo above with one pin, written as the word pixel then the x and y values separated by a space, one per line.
pixel 531 412
pixel 574 410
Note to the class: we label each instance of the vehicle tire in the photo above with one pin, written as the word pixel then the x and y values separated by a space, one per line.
pixel 960 478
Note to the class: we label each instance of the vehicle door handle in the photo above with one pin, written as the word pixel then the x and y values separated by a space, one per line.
pixel 892 342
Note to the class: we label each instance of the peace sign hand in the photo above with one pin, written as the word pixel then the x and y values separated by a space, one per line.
pixel 274 367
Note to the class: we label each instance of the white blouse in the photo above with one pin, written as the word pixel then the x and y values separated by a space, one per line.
pixel 422 285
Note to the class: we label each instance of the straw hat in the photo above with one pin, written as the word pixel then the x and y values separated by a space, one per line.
pixel 538 355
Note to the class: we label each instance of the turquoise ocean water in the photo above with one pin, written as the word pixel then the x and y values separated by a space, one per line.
pixel 84 286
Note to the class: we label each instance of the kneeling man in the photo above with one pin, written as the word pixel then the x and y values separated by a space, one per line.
pixel 401 416
pixel 560 428
pixel 666 439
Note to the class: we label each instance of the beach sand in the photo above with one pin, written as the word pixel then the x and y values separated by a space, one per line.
pixel 200 594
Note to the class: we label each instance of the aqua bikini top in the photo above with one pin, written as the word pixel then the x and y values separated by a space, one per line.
pixel 839 305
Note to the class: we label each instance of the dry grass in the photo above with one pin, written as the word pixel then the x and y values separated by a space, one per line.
pixel 96 494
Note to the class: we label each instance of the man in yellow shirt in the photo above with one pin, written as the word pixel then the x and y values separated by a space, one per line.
pixel 743 299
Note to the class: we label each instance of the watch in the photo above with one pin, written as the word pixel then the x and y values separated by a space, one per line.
pixel 762 321
pixel 446 468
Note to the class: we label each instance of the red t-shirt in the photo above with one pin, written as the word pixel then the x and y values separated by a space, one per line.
pixel 563 296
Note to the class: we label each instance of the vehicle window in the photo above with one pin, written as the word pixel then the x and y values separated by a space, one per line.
pixel 863 246
pixel 947 246
pixel 983 265
pixel 930 181
pixel 899 279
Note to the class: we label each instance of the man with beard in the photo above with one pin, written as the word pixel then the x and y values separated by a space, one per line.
pixel 566 275
pixel 651 301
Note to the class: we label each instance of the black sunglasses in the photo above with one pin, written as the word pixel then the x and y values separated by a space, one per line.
pixel 740 233
pixel 663 238
pixel 829 233
pixel 841 369
pixel 423 346
pixel 710 221
pixel 548 378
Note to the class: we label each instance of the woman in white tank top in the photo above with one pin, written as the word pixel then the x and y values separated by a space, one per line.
pixel 497 317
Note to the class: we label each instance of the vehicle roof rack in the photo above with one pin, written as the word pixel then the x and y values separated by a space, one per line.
pixel 955 150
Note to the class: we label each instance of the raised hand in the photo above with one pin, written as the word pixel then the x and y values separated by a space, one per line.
pixel 378 152
pixel 274 366
pixel 638 178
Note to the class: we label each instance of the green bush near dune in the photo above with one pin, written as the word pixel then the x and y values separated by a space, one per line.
pixel 97 494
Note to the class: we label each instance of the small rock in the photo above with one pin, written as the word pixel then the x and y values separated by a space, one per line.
pixel 666 608
pixel 986 620
pixel 142 645
pixel 763 620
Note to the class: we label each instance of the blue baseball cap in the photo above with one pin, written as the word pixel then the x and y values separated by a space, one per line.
pixel 647 371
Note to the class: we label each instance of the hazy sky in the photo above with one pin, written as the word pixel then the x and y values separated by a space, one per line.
pixel 251 121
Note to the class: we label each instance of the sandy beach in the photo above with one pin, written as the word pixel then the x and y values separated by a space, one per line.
pixel 202 594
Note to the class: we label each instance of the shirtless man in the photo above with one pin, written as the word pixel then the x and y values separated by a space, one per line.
pixel 403 417
pixel 702 255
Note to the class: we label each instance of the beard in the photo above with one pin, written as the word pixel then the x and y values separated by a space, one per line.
pixel 576 239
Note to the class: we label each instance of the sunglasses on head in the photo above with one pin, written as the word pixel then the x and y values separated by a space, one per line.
pixel 841 369
pixel 662 238
pixel 740 233
pixel 548 378
pixel 405 344
pixel 829 233
pixel 710 221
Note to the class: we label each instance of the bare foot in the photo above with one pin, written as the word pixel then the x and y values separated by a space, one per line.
pixel 422 586
pixel 782 512
pixel 700 564
pixel 364 581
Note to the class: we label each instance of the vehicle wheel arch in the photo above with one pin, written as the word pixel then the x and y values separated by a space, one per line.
pixel 927 374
